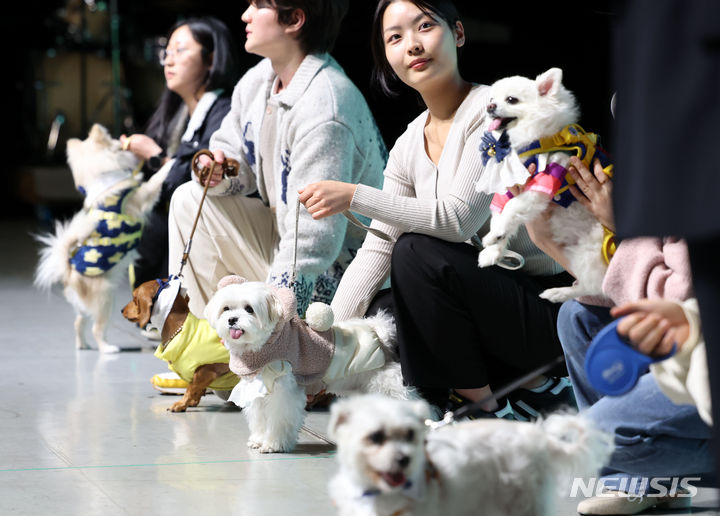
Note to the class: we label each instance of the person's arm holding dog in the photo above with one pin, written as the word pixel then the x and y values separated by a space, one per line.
pixel 592 189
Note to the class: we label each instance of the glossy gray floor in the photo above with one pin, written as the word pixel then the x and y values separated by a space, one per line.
pixel 85 434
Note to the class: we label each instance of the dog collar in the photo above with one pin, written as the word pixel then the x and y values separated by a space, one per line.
pixel 103 183
pixel 612 365
pixel 375 492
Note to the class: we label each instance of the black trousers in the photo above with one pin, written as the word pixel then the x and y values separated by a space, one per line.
pixel 152 260
pixel 460 326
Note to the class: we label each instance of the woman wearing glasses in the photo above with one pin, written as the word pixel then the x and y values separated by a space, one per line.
pixel 200 64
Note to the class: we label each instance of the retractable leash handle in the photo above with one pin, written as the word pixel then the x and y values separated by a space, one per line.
pixel 230 169
pixel 613 366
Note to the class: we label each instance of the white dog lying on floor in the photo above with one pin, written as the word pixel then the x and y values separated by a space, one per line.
pixel 390 464
pixel 90 254
pixel 280 358
pixel 535 122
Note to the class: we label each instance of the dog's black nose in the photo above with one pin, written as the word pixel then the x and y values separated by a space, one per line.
pixel 232 321
pixel 491 108
pixel 403 461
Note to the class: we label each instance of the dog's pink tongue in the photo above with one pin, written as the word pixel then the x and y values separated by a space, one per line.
pixel 495 124
pixel 394 479
pixel 236 334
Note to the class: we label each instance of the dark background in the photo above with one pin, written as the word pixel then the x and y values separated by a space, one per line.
pixel 45 46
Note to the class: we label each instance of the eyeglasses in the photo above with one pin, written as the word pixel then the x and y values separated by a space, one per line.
pixel 177 53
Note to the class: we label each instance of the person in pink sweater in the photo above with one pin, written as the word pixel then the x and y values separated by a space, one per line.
pixel 653 436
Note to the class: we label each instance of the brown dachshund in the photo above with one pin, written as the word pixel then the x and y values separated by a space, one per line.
pixel 186 341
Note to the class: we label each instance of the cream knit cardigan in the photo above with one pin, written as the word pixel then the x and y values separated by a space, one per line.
pixel 421 197
pixel 325 131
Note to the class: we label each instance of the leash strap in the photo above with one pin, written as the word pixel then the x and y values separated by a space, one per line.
pixel 476 408
pixel 230 168
pixel 295 244
pixel 355 222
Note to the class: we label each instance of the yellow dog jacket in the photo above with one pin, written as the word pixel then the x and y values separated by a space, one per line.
pixel 197 344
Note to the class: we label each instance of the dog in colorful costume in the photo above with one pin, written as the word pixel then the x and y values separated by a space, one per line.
pixel 534 122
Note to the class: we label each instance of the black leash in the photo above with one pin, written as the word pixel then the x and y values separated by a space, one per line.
pixel 476 408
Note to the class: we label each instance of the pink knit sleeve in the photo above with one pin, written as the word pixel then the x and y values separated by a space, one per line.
pixel 649 268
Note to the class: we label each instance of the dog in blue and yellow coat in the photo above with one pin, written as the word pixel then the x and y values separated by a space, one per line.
pixel 90 253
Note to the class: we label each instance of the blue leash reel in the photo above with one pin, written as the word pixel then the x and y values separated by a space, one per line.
pixel 612 365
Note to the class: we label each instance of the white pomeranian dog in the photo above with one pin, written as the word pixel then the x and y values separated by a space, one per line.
pixel 534 121
pixel 281 358
pixel 90 253
pixel 391 463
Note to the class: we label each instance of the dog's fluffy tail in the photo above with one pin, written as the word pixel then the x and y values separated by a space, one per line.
pixel 384 326
pixel 54 264
pixel 577 447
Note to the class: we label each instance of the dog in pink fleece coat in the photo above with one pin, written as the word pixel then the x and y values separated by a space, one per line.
pixel 281 358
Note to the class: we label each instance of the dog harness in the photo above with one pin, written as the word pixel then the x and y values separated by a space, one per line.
pixel 197 344
pixel 551 179
pixel 115 235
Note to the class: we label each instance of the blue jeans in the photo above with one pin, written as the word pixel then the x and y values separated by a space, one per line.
pixel 653 436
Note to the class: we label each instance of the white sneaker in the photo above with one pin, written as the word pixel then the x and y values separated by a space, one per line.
pixel 619 502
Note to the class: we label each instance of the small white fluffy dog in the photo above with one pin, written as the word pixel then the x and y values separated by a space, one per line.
pixel 91 252
pixel 281 358
pixel 390 463
pixel 525 115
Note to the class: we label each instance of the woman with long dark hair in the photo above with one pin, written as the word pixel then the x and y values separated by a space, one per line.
pixel 200 64
pixel 462 330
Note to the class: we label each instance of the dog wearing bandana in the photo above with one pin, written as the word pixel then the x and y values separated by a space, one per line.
pixel 535 122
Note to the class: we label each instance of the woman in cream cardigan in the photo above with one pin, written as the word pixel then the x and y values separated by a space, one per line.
pixel 459 327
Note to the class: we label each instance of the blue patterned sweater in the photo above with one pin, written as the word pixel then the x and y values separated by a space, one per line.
pixel 115 235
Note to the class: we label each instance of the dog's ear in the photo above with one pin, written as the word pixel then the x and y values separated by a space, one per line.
pixel 339 415
pixel 98 134
pixel 278 305
pixel 143 296
pixel 214 308
pixel 72 144
pixel 548 83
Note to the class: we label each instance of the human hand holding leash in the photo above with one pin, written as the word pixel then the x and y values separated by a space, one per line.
pixel 206 175
pixel 214 161
pixel 326 198
pixel 653 326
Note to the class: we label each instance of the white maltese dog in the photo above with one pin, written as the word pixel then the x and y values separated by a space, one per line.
pixel 535 122
pixel 90 254
pixel 281 359
pixel 390 463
